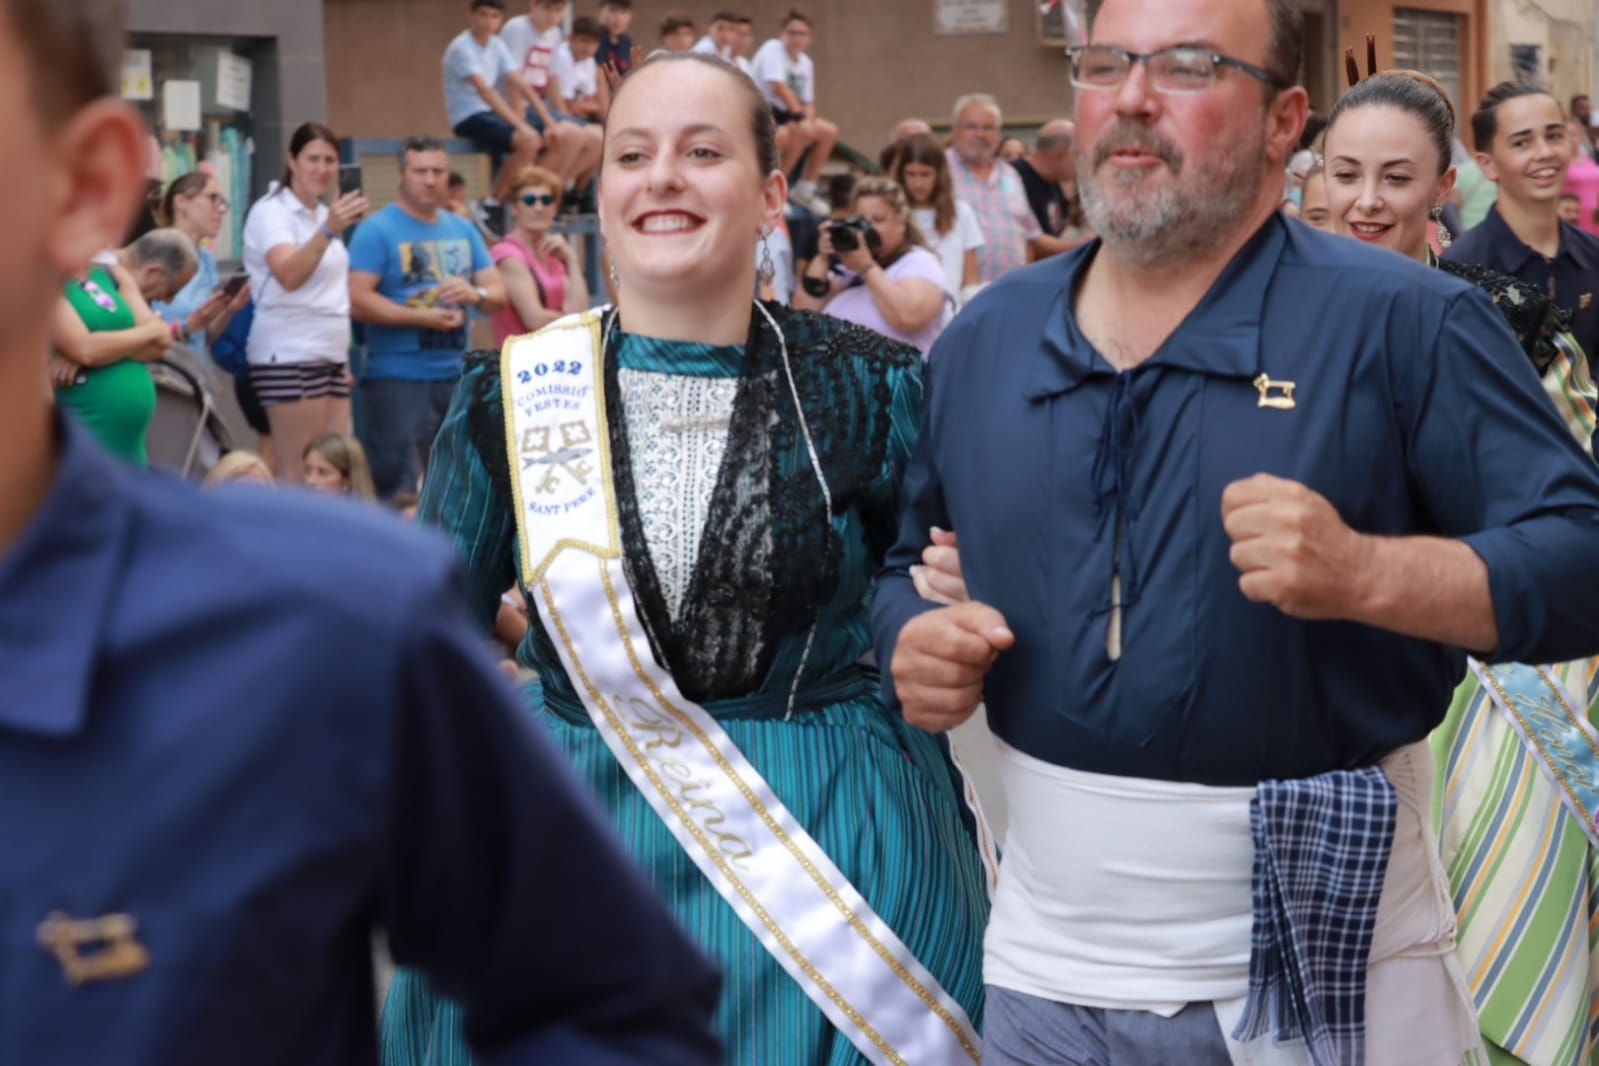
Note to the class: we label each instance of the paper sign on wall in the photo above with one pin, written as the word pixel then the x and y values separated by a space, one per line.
pixel 137 82
pixel 233 81
pixel 180 106
pixel 970 16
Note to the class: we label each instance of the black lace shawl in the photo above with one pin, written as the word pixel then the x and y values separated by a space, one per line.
pixel 768 561
pixel 1532 315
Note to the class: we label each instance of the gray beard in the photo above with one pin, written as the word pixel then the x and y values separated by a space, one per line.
pixel 1191 214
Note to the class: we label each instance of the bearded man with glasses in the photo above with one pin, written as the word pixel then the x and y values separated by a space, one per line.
pixel 1233 500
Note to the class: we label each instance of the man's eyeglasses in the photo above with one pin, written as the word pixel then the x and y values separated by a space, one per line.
pixel 1171 70
pixel 531 198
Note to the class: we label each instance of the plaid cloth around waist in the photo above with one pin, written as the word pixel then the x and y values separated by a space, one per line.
pixel 1321 852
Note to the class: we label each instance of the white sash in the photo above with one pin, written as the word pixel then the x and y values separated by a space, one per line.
pixel 723 813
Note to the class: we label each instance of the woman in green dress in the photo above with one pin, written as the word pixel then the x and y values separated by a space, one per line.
pixel 104 335
pixel 756 455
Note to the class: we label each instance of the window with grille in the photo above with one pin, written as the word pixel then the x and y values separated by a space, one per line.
pixel 1429 41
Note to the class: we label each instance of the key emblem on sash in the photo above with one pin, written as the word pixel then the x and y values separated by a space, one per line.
pixel 1584 300
pixel 1282 399
pixel 96 949
pixel 570 457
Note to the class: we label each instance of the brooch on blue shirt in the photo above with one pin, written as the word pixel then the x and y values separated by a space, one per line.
pixel 98 949
pixel 1282 401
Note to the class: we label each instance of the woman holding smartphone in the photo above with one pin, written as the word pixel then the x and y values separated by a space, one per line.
pixel 299 346
pixel 195 206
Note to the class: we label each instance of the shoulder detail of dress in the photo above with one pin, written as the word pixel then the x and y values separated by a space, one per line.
pixel 817 335
pixel 1532 315
pixel 480 376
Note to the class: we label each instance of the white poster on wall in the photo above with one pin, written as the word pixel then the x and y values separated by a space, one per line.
pixel 233 81
pixel 180 106
pixel 970 16
pixel 137 81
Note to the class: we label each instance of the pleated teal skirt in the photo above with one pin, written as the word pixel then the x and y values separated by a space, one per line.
pixel 880 797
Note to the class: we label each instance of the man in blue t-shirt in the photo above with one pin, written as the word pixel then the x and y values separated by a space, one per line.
pixel 414 272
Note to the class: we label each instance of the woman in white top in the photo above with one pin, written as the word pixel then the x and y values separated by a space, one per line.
pixel 299 347
pixel 950 225
pixel 886 280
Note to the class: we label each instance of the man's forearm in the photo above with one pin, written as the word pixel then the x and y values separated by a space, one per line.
pixel 1428 587
pixel 376 309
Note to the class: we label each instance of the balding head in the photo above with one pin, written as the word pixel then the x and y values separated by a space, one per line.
pixel 1052 153
pixel 911 127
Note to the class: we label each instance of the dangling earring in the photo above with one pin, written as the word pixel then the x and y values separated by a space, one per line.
pixel 1444 237
pixel 616 279
pixel 767 269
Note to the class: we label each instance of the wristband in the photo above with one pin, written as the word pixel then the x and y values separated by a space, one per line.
pixel 323 226
pixel 817 287
pixel 180 332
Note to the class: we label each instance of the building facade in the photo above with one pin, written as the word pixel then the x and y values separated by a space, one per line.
pixel 225 84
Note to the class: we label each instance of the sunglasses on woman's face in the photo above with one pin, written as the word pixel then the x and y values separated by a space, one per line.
pixel 531 198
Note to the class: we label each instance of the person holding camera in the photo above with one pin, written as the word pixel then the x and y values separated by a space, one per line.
pixel 875 270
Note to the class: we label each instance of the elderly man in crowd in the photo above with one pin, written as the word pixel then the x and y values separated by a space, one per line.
pixel 1011 234
pixel 1047 172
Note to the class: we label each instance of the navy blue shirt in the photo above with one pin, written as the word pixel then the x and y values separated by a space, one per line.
pixel 1415 412
pixel 260 724
pixel 1571 277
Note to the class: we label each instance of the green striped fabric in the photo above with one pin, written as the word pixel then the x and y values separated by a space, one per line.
pixel 1520 865
pixel 1523 877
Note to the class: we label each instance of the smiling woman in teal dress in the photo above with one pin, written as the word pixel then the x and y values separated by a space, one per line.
pixel 745 461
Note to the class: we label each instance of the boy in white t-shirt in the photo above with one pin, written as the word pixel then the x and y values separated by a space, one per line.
pixel 575 82
pixel 719 40
pixel 486 103
pixel 572 150
pixel 787 78
pixel 744 45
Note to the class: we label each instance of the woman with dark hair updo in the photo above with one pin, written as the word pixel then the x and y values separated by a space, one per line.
pixel 1388 170
pixel 693 492
pixel 1521 867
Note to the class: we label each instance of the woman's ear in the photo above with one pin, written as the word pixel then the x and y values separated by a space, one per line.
pixel 775 196
pixel 99 160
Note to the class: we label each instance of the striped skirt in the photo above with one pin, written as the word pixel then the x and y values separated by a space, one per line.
pixel 276 383
pixel 1525 883
pixel 880 797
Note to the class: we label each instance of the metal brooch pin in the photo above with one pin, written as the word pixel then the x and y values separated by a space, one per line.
pixel 96 949
pixel 1282 401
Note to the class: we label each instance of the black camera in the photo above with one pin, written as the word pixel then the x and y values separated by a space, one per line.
pixel 847 234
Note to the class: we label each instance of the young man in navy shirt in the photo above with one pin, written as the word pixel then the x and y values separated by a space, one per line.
pixel 1523 144
pixel 240 730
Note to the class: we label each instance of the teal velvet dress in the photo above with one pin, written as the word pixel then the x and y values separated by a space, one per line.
pixel 880 797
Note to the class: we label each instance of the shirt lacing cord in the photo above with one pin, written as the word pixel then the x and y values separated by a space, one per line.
pixel 1118 443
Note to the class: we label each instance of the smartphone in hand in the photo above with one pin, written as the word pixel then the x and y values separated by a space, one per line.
pixel 235 283
pixel 349 178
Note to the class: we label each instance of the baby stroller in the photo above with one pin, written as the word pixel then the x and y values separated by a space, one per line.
pixel 188 433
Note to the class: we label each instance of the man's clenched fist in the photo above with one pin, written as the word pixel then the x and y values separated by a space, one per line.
pixel 941 659
pixel 1292 550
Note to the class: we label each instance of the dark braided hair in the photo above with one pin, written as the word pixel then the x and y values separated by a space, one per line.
pixel 1409 91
